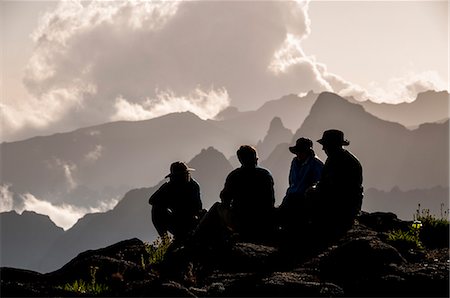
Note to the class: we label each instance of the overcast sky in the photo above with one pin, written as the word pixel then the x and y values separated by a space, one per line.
pixel 74 64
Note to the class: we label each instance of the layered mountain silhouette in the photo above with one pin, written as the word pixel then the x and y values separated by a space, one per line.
pixel 103 162
pixel 276 135
pixel 429 106
pixel 211 171
pixel 130 218
pixel 251 126
pixel 406 203
pixel 92 164
pixel 391 154
pixel 25 238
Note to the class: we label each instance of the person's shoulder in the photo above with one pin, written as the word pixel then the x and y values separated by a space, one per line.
pixel 316 160
pixel 351 158
pixel 263 171
pixel 194 183
pixel 350 155
pixel 165 185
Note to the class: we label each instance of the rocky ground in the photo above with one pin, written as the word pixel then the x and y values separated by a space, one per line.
pixel 361 264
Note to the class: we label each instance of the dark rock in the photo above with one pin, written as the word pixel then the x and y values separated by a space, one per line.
pixel 291 284
pixel 158 289
pixel 249 257
pixel 359 258
pixel 122 260
pixel 359 264
pixel 383 221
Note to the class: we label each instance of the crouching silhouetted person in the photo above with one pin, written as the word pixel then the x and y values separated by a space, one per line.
pixel 247 204
pixel 176 205
pixel 337 197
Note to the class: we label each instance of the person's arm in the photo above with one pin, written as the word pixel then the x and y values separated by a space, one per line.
pixel 226 194
pixel 317 171
pixel 158 196
pixel 268 191
pixel 292 178
pixel 197 196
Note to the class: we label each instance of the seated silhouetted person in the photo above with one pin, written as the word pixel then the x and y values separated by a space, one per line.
pixel 247 206
pixel 305 171
pixel 176 205
pixel 248 193
pixel 337 197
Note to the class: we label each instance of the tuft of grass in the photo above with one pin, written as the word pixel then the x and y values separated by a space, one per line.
pixel 156 250
pixel 435 231
pixel 83 287
pixel 405 240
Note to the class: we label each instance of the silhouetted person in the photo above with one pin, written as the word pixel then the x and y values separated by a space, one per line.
pixel 305 171
pixel 176 205
pixel 338 195
pixel 247 206
pixel 248 193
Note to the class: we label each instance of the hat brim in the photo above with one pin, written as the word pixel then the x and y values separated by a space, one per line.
pixel 343 143
pixel 293 149
pixel 187 171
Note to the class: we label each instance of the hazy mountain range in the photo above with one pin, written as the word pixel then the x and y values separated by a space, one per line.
pixel 429 106
pixel 130 218
pixel 391 154
pixel 92 164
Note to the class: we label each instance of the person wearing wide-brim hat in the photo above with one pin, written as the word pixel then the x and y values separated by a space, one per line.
pixel 333 138
pixel 176 205
pixel 339 192
pixel 179 169
pixel 305 171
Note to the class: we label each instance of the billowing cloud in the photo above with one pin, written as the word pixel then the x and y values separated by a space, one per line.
pixel 6 198
pixel 64 216
pixel 205 104
pixel 97 61
pixel 101 60
pixel 407 87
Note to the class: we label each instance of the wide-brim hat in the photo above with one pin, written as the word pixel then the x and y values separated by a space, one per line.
pixel 301 145
pixel 178 168
pixel 333 137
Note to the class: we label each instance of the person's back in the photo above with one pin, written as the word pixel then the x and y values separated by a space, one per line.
pixel 340 187
pixel 342 183
pixel 249 194
pixel 249 188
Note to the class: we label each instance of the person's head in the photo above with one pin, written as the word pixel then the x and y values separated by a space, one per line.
pixel 303 148
pixel 332 140
pixel 247 156
pixel 179 172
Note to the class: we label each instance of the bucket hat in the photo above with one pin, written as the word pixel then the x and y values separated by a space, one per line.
pixel 333 137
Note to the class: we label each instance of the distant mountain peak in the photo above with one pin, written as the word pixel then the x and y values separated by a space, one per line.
pixel 276 124
pixel 329 101
pixel 209 153
pixel 276 134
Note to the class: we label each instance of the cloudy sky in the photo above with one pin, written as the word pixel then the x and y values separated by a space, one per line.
pixel 73 64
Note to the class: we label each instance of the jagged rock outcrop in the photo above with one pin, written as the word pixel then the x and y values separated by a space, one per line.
pixel 362 264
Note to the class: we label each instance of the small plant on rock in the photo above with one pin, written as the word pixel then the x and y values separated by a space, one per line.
pixel 156 250
pixel 82 287
pixel 406 240
pixel 435 231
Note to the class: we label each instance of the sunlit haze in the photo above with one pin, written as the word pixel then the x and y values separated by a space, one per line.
pixel 72 64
